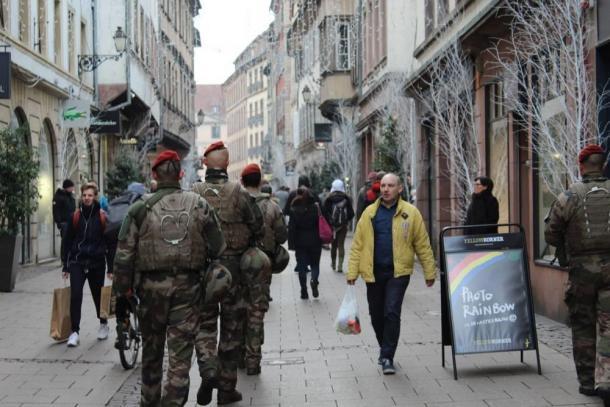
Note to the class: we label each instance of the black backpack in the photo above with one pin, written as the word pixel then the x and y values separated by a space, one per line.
pixel 117 211
pixel 339 214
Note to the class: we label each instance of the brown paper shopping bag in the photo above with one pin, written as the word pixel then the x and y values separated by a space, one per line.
pixel 107 302
pixel 61 325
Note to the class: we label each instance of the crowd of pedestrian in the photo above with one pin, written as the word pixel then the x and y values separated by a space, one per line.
pixel 201 262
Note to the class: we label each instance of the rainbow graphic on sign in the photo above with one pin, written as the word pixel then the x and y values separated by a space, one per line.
pixel 470 266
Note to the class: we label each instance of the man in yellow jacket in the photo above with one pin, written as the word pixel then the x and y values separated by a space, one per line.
pixel 389 234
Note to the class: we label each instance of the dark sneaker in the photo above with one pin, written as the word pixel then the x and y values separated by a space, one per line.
pixel 228 397
pixel 253 370
pixel 387 366
pixel 204 394
pixel 304 295
pixel 587 390
pixel 314 289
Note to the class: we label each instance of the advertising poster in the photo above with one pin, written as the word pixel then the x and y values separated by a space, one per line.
pixel 489 299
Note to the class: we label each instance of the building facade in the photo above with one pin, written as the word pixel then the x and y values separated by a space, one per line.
pixel 245 94
pixel 210 101
pixel 44 39
pixel 63 55
pixel 470 39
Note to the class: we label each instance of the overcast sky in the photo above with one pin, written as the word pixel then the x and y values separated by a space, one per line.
pixel 226 27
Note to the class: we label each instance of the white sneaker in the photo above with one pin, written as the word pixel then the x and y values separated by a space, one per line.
pixel 102 332
pixel 73 340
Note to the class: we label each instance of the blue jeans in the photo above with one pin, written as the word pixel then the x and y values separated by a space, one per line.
pixel 385 297
pixel 308 259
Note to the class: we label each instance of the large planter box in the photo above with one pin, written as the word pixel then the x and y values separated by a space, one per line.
pixel 9 261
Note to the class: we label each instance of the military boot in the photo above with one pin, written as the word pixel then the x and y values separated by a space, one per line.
pixel 253 370
pixel 228 397
pixel 204 394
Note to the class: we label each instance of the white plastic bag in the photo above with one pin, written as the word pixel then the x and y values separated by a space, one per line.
pixel 348 319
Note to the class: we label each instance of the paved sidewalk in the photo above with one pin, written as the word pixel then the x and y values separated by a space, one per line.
pixel 306 363
pixel 34 369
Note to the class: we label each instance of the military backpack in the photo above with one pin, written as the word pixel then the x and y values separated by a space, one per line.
pixel 171 231
pixel 589 229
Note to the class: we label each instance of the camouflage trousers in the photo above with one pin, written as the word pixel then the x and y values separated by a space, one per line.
pixel 219 357
pixel 588 301
pixel 256 302
pixel 168 308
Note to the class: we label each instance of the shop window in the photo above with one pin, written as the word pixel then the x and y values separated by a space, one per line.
pixel 549 181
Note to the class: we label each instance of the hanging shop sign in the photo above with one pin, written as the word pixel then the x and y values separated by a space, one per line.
pixel 108 122
pixel 76 114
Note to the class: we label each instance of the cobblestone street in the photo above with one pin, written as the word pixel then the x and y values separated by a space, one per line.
pixel 305 362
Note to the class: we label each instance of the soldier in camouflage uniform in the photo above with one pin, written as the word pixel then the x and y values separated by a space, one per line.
pixel 241 224
pixel 274 234
pixel 165 240
pixel 579 226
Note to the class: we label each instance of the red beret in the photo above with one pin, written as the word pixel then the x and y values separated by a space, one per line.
pixel 219 145
pixel 167 155
pixel 589 150
pixel 251 169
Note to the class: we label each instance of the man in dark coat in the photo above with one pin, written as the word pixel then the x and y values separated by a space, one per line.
pixel 361 204
pixel 64 206
pixel 483 210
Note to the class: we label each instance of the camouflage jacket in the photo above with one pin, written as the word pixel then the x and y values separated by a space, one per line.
pixel 132 250
pixel 565 224
pixel 240 219
pixel 275 231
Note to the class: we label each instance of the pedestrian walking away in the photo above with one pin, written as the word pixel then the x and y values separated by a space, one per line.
pixel 483 209
pixel 388 236
pixel 242 225
pixel 87 255
pixel 578 225
pixel 303 182
pixel 361 203
pixel 339 212
pixel 304 239
pixel 257 295
pixel 164 244
pixel 64 206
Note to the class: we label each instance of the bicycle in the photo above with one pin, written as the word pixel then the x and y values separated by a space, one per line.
pixel 129 336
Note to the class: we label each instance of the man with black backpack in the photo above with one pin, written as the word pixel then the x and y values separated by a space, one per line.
pixel 117 211
pixel 339 212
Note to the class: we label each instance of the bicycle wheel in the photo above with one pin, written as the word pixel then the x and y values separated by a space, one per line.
pixel 131 340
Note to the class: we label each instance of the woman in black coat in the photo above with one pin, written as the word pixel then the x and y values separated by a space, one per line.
pixel 483 210
pixel 304 239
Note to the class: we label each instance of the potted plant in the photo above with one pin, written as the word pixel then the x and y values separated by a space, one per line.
pixel 18 199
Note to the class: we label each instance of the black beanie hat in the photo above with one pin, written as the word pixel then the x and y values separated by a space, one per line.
pixel 67 183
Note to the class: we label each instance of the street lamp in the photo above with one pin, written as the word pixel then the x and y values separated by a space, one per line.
pixel 307 95
pixel 88 63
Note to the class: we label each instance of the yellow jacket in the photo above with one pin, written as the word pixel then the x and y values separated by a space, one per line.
pixel 409 237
